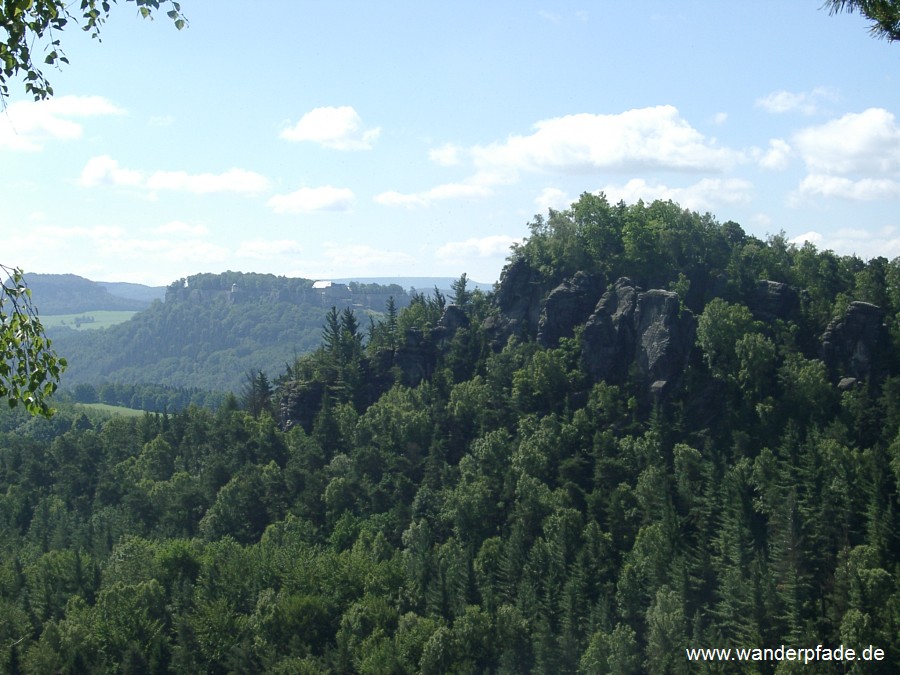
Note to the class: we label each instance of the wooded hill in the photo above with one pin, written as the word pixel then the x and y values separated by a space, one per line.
pixel 658 433
pixel 71 294
pixel 211 331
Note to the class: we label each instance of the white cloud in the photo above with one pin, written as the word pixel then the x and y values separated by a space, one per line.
pixel 305 200
pixel 812 237
pixel 777 157
pixel 867 244
pixel 428 197
pixel 865 189
pixel 705 195
pixel 337 128
pixel 496 245
pixel 553 198
pixel 640 139
pixel 806 103
pixel 866 142
pixel 720 118
pixel 27 125
pixel 106 171
pixel 238 181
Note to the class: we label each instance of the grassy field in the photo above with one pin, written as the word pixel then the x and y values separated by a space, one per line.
pixel 112 409
pixel 100 318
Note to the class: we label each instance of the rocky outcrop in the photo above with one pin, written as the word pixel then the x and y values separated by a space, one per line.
pixel 518 298
pixel 857 345
pixel 665 333
pixel 609 339
pixel 649 331
pixel 774 300
pixel 567 306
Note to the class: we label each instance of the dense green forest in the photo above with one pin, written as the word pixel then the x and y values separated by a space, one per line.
pixel 658 432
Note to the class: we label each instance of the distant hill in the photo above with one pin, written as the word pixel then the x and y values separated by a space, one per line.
pixel 72 294
pixel 212 329
pixel 139 292
pixel 420 284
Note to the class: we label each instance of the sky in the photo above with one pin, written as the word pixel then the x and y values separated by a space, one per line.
pixel 378 139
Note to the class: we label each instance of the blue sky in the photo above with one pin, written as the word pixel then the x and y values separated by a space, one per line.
pixel 345 139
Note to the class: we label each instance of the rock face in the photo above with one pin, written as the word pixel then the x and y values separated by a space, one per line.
pixel 609 338
pixel 774 300
pixel 519 299
pixel 857 344
pixel 649 330
pixel 567 306
pixel 665 335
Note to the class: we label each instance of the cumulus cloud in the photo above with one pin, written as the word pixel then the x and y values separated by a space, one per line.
pixel 864 189
pixel 777 157
pixel 495 245
pixel 553 198
pixel 106 171
pixel 429 197
pixel 306 200
pixel 855 157
pixel 238 181
pixel 866 142
pixel 805 103
pixel 338 128
pixel 867 244
pixel 656 138
pixel 27 125
pixel 640 139
pixel 704 195
pixel 812 237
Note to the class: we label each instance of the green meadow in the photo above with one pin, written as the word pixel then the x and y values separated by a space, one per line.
pixel 101 318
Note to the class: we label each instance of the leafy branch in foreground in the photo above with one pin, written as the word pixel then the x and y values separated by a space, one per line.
pixel 29 368
pixel 884 15
pixel 27 22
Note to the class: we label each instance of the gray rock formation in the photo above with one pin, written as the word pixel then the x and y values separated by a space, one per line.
pixel 519 298
pixel 453 318
pixel 857 344
pixel 665 336
pixel 774 300
pixel 567 306
pixel 647 330
pixel 609 338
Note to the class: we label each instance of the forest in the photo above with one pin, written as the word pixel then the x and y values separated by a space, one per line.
pixel 657 433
